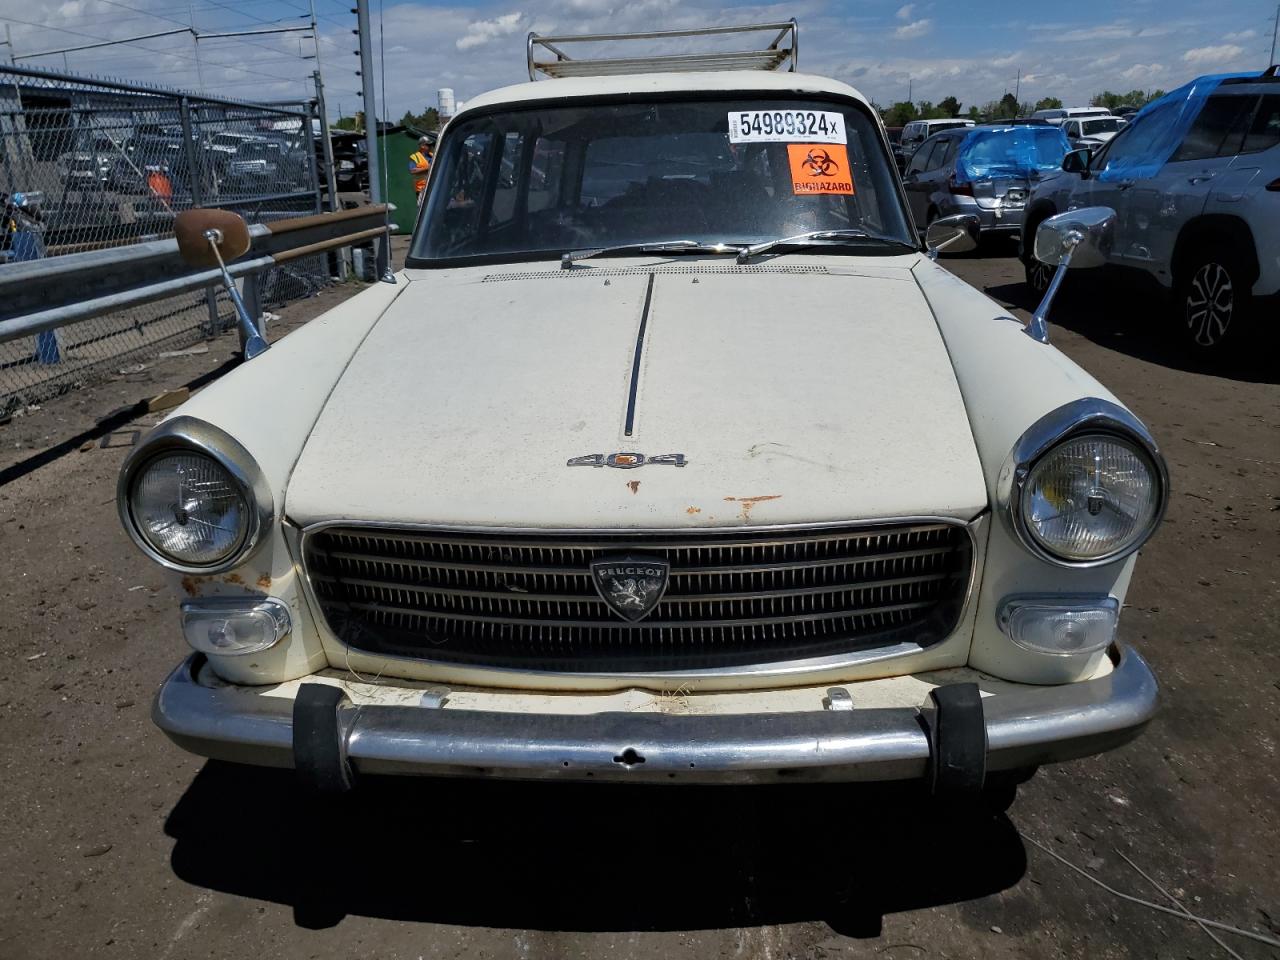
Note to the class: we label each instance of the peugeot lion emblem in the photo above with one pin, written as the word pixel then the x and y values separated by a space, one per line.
pixel 631 586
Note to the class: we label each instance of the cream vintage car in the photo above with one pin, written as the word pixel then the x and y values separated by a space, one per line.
pixel 671 455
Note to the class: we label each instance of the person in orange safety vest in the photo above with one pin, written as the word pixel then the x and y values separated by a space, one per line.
pixel 419 165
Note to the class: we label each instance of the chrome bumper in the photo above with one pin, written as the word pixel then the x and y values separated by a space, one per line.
pixel 1031 726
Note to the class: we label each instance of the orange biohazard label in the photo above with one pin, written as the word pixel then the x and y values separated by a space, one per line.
pixel 818 168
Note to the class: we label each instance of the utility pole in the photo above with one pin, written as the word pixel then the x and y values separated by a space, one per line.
pixel 195 42
pixel 8 42
pixel 1017 89
pixel 383 245
pixel 910 83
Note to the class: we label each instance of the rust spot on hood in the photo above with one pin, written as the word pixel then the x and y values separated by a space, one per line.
pixel 746 503
pixel 264 581
pixel 234 578
pixel 633 485
pixel 190 586
pixel 692 510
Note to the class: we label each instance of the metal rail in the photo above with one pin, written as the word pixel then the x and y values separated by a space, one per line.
pixel 41 295
pixel 161 93
pixel 771 57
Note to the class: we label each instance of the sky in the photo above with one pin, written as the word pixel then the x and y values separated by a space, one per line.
pixel 973 51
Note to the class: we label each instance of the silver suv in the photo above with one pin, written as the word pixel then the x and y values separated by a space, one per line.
pixel 1205 223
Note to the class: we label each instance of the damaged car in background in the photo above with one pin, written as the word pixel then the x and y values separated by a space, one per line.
pixel 987 172
pixel 694 468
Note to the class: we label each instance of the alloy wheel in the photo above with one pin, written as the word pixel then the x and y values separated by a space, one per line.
pixel 1210 300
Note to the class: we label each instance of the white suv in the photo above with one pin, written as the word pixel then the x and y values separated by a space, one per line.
pixel 918 131
pixel 1204 223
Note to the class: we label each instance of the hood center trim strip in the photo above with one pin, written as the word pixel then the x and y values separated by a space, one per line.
pixel 635 360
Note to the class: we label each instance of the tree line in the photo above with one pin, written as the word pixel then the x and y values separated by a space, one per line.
pixel 1006 108
pixel 424 122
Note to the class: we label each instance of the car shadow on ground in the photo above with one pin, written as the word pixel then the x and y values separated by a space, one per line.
pixel 587 857
pixel 1137 320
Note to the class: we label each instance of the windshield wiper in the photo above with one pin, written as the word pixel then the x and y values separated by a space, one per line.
pixel 567 260
pixel 814 237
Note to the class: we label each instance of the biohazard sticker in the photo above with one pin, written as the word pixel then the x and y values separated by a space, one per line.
pixel 818 168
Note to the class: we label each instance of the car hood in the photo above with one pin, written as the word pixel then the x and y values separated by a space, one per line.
pixel 794 393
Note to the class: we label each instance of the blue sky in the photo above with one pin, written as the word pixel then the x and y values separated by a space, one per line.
pixel 972 51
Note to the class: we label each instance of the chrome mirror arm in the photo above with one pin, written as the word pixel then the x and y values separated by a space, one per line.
pixel 254 344
pixel 1038 328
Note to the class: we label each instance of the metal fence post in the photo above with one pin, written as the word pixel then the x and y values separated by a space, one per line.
pixel 195 177
pixel 194 186
pixel 330 171
pixel 309 139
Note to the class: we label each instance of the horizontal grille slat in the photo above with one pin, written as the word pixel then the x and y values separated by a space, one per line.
pixel 412 612
pixel 525 597
pixel 733 598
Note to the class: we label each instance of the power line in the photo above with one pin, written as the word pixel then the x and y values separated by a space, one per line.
pixel 164 53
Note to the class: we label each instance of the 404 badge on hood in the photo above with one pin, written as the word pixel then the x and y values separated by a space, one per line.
pixel 627 461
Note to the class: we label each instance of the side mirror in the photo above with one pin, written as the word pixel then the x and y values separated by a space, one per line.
pixel 1077 161
pixel 208 238
pixel 957 234
pixel 1078 238
pixel 191 229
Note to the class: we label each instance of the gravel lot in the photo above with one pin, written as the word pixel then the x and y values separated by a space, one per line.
pixel 117 844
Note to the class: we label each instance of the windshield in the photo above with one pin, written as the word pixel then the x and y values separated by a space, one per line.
pixel 258 150
pixel 1010 152
pixel 1090 127
pixel 540 182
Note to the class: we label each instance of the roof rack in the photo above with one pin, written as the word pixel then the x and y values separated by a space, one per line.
pixel 771 57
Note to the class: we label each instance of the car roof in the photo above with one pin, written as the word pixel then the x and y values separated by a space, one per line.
pixel 727 81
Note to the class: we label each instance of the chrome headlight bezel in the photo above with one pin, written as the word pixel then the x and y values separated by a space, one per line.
pixel 187 434
pixel 1090 415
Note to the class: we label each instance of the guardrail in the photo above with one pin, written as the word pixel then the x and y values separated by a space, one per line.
pixel 37 296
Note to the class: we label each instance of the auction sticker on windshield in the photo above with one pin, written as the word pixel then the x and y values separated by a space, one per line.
pixel 819 168
pixel 786 126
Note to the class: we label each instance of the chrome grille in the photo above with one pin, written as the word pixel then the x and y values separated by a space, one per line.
pixel 527 600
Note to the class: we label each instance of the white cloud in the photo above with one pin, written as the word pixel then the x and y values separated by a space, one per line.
pixel 1240 35
pixel 905 11
pixel 1113 31
pixel 916 28
pixel 1140 72
pixel 1219 54
pixel 480 32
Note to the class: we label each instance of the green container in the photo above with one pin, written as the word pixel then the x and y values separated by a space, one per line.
pixel 395 145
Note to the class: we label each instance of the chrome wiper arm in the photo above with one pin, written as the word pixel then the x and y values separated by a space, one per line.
pixel 746 253
pixel 567 260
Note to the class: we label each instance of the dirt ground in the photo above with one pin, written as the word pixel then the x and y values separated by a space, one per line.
pixel 115 843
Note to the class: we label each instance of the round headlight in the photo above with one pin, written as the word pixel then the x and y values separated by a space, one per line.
pixel 1091 498
pixel 189 508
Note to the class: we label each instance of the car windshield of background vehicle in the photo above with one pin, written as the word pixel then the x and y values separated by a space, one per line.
pixel 537 183
pixel 1022 152
pixel 1090 128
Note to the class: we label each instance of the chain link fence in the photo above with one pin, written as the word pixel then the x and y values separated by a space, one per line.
pixel 87 164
